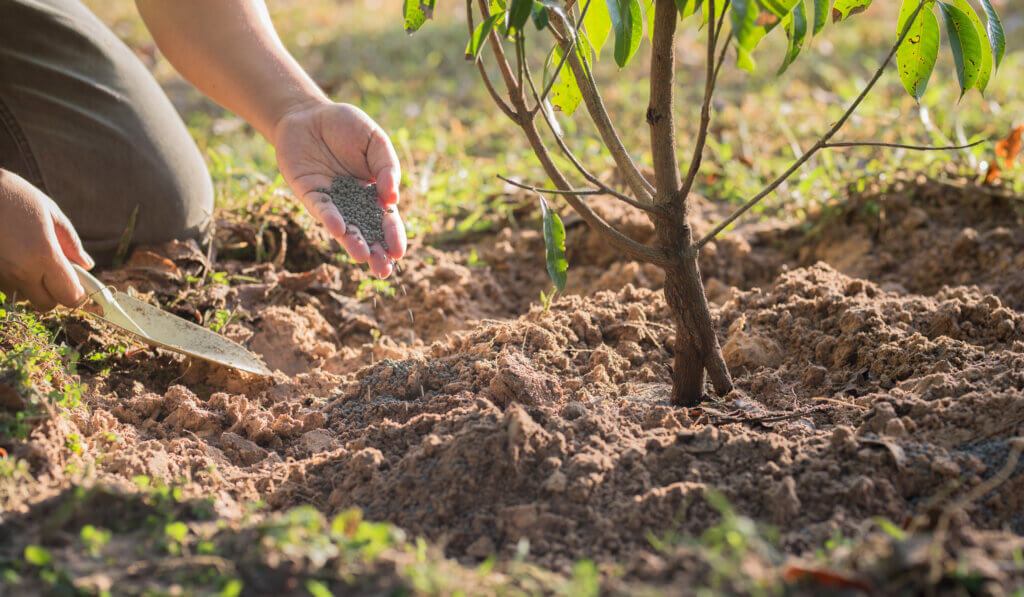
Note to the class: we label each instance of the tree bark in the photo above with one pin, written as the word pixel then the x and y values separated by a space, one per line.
pixel 697 348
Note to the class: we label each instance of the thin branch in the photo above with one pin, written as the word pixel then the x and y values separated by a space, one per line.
pixel 902 145
pixel 599 114
pixel 705 108
pixel 498 100
pixel 629 247
pixel 822 141
pixel 565 57
pixel 515 93
pixel 604 188
pixel 583 192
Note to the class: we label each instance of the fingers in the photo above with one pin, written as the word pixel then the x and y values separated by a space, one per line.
pixel 322 208
pixel 383 162
pixel 394 234
pixel 61 283
pixel 36 293
pixel 69 241
pixel 380 263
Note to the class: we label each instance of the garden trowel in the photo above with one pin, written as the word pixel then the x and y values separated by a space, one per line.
pixel 160 328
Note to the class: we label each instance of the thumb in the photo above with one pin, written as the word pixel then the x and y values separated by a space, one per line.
pixel 69 241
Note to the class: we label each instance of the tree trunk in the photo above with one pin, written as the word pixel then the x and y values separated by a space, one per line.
pixel 696 348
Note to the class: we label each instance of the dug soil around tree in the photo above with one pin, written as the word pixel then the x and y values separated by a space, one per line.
pixel 878 361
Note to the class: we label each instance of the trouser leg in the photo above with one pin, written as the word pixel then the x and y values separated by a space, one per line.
pixel 83 119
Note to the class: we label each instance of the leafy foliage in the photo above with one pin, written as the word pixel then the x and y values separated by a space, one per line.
pixel 554 241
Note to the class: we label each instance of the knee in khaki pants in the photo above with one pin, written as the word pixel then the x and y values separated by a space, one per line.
pixel 83 120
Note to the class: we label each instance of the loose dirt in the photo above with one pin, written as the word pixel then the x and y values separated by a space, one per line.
pixel 878 360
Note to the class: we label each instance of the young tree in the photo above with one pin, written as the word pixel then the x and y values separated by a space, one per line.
pixel 579 29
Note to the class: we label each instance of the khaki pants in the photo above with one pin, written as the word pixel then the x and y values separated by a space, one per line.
pixel 83 120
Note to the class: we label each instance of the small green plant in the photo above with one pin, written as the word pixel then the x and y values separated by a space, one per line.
pixel 579 30
pixel 175 534
pixel 222 318
pixel 94 539
pixel 371 287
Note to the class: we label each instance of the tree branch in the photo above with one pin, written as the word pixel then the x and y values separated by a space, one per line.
pixel 514 91
pixel 629 247
pixel 582 192
pixel 498 100
pixel 565 57
pixel 902 146
pixel 599 114
pixel 604 188
pixel 823 141
pixel 705 108
pixel 659 111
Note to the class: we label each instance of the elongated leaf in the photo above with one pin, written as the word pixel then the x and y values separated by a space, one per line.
pixel 796 31
pixel 539 15
pixel 627 22
pixel 780 8
pixel 688 8
pixel 844 9
pixel 820 15
pixel 649 16
pixel 565 93
pixel 554 243
pixel 416 12
pixel 517 15
pixel 966 46
pixel 480 35
pixel 985 68
pixel 750 25
pixel 916 56
pixel 598 24
pixel 996 37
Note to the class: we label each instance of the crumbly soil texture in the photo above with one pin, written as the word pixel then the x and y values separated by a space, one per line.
pixel 878 359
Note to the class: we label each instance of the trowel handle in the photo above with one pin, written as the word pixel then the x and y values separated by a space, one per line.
pixel 89 282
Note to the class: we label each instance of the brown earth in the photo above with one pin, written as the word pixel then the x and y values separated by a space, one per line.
pixel 878 359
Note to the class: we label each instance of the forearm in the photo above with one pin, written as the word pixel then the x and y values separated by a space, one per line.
pixel 229 50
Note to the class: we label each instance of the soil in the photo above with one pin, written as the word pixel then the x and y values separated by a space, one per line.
pixel 878 360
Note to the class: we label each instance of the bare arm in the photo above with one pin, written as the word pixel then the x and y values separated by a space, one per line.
pixel 229 50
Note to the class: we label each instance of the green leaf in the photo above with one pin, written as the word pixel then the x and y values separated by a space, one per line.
pixel 687 8
pixel 565 93
pixel 746 31
pixel 966 46
pixel 796 31
pixel 416 12
pixel 318 589
pixel 820 15
pixel 649 14
pixel 996 37
pixel 780 8
pixel 554 242
pixel 915 58
pixel 627 22
pixel 844 9
pixel 517 15
pixel 540 15
pixel 985 69
pixel 37 556
pixel 598 24
pixel 480 35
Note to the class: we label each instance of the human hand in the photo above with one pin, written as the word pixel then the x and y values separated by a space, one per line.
pixel 323 140
pixel 37 245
